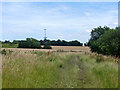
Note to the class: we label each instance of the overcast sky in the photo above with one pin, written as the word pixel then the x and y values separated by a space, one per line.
pixel 63 20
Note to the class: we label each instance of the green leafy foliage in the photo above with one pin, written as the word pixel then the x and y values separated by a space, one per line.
pixel 109 43
pixel 95 35
pixel 9 45
pixel 106 41
pixel 34 43
pixel 61 43
pixel 30 43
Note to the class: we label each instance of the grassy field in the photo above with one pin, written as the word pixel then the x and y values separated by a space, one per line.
pixel 9 45
pixel 61 67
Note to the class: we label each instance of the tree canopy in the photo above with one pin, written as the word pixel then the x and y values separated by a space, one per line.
pixel 34 43
pixel 105 41
pixel 29 43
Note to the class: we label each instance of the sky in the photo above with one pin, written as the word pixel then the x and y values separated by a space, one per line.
pixel 60 0
pixel 63 20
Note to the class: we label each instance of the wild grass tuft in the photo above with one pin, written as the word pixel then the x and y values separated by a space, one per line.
pixel 99 58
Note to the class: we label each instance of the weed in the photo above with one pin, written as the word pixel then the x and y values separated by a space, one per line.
pixel 4 52
pixel 38 53
pixel 51 59
pixel 60 50
pixel 10 51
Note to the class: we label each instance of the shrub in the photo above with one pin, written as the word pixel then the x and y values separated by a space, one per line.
pixel 30 43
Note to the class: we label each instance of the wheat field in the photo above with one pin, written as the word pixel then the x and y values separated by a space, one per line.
pixel 55 48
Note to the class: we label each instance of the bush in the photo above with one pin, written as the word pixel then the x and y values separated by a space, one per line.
pixel 30 43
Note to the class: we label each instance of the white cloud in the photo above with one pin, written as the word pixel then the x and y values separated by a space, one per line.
pixel 28 19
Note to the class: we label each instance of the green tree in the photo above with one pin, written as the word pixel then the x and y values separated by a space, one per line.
pixel 105 41
pixel 109 43
pixel 30 43
pixel 95 35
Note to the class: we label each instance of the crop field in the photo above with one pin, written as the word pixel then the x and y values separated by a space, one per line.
pixel 55 48
pixel 60 67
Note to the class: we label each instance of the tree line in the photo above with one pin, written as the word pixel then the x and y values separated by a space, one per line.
pixel 61 43
pixel 105 40
pixel 34 43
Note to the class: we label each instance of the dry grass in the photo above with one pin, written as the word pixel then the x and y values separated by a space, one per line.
pixel 72 48
pixel 55 48
pixel 31 68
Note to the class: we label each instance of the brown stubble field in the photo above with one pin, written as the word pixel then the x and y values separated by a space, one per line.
pixel 55 49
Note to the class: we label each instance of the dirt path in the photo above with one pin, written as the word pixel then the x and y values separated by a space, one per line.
pixel 73 73
pixel 81 71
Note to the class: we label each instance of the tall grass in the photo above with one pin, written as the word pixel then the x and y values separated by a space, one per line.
pixel 57 70
pixel 101 75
